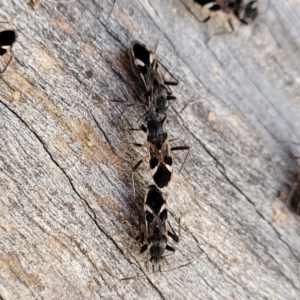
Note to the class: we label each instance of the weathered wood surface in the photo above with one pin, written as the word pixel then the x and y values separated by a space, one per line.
pixel 67 223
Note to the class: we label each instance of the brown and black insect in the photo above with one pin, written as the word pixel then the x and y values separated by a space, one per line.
pixel 144 65
pixel 245 12
pixel 293 200
pixel 154 226
pixel 7 38
pixel 159 150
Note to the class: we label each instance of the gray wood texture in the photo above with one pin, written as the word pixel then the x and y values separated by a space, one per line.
pixel 68 219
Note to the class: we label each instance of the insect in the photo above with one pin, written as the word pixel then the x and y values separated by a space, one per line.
pixel 144 65
pixel 243 11
pixel 159 151
pixel 154 226
pixel 7 38
pixel 293 200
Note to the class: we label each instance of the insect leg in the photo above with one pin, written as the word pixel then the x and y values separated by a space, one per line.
pixel 182 148
pixel 1 72
pixel 175 82
pixel 173 235
pixel 287 202
pixel 172 99
pixel 229 18
pixel 215 7
pixel 168 247
pixel 134 169
pixel 186 105
pixel 204 2
pixel 112 8
pixel 126 149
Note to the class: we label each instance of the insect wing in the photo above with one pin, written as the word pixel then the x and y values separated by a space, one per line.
pixel 7 38
pixel 143 63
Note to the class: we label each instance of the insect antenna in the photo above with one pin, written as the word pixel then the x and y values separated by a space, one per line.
pixel 189 262
pixel 111 10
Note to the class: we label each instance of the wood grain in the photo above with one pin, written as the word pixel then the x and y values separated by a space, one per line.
pixel 68 219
